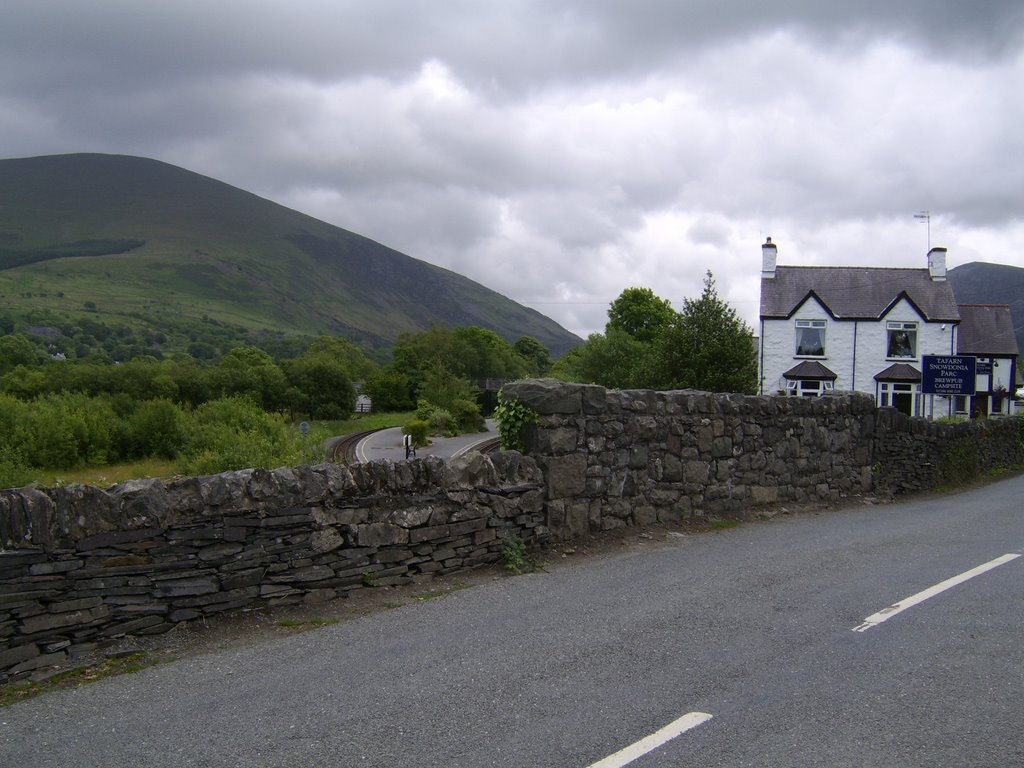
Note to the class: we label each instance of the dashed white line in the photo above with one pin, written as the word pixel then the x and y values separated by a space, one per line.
pixel 909 602
pixel 650 743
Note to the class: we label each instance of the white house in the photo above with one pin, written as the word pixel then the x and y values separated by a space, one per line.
pixel 855 328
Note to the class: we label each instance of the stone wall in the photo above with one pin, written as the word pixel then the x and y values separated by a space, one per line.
pixel 80 565
pixel 912 455
pixel 635 457
pixel 612 458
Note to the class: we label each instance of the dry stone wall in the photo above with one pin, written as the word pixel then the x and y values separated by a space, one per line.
pixel 635 457
pixel 80 565
pixel 617 458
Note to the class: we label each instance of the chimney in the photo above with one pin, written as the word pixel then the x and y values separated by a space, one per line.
pixel 937 264
pixel 769 256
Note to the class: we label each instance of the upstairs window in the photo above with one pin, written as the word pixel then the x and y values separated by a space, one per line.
pixel 810 338
pixel 902 339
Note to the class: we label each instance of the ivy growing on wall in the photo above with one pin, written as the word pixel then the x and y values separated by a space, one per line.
pixel 513 416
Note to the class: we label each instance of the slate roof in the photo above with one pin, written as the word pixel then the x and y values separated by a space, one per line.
pixel 899 372
pixel 857 293
pixel 809 369
pixel 986 330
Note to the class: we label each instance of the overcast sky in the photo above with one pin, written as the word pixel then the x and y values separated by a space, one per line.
pixel 560 151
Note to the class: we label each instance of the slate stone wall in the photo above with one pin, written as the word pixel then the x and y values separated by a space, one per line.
pixel 635 457
pixel 912 455
pixel 80 565
pixel 612 459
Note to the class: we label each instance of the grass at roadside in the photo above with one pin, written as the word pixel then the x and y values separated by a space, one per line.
pixel 108 474
pixel 364 422
pixel 73 678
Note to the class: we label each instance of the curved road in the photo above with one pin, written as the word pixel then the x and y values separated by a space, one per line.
pixel 388 444
pixel 865 636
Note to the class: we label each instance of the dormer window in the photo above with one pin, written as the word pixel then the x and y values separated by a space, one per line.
pixel 810 338
pixel 902 340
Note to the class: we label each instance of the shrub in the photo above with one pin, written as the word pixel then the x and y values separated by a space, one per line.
pixel 235 433
pixel 156 429
pixel 467 416
pixel 14 472
pixel 418 429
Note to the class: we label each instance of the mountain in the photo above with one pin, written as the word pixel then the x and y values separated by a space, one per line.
pixel 129 237
pixel 982 283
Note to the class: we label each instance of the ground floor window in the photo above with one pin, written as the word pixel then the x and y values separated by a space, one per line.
pixel 808 387
pixel 903 396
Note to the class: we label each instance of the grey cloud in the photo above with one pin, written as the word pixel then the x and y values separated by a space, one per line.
pixel 556 150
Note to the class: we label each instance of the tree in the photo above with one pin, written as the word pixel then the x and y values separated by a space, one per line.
pixel 250 371
pixel 641 314
pixel 351 357
pixel 536 355
pixel 17 350
pixel 389 391
pixel 707 347
pixel 320 386
pixel 614 359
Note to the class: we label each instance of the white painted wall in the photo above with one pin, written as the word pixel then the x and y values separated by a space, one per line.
pixel 855 350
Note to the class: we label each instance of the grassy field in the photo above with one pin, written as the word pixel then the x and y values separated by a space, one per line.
pixel 159 468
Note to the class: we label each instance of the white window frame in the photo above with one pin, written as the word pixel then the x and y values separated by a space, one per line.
pixel 892 326
pixel 808 387
pixel 803 325
pixel 887 391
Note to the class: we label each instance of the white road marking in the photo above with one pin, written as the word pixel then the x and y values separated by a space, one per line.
pixel 650 743
pixel 908 602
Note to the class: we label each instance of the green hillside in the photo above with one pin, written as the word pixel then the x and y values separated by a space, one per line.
pixel 111 236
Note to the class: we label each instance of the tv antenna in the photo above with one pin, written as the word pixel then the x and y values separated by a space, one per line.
pixel 926 217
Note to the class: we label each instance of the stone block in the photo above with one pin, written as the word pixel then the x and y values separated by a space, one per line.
pixel 48 622
pixel 381 534
pixel 546 396
pixel 60 566
pixel 19 653
pixel 566 475
pixel 184 587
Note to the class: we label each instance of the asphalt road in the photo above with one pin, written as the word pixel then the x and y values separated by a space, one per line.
pixel 755 626
pixel 388 444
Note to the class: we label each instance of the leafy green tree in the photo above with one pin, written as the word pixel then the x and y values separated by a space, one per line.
pixel 351 357
pixel 24 382
pixel 156 428
pixel 615 359
pixel 641 314
pixel 470 353
pixel 319 386
pixel 442 387
pixel 536 355
pixel 250 371
pixel 17 349
pixel 708 347
pixel 480 353
pixel 389 391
